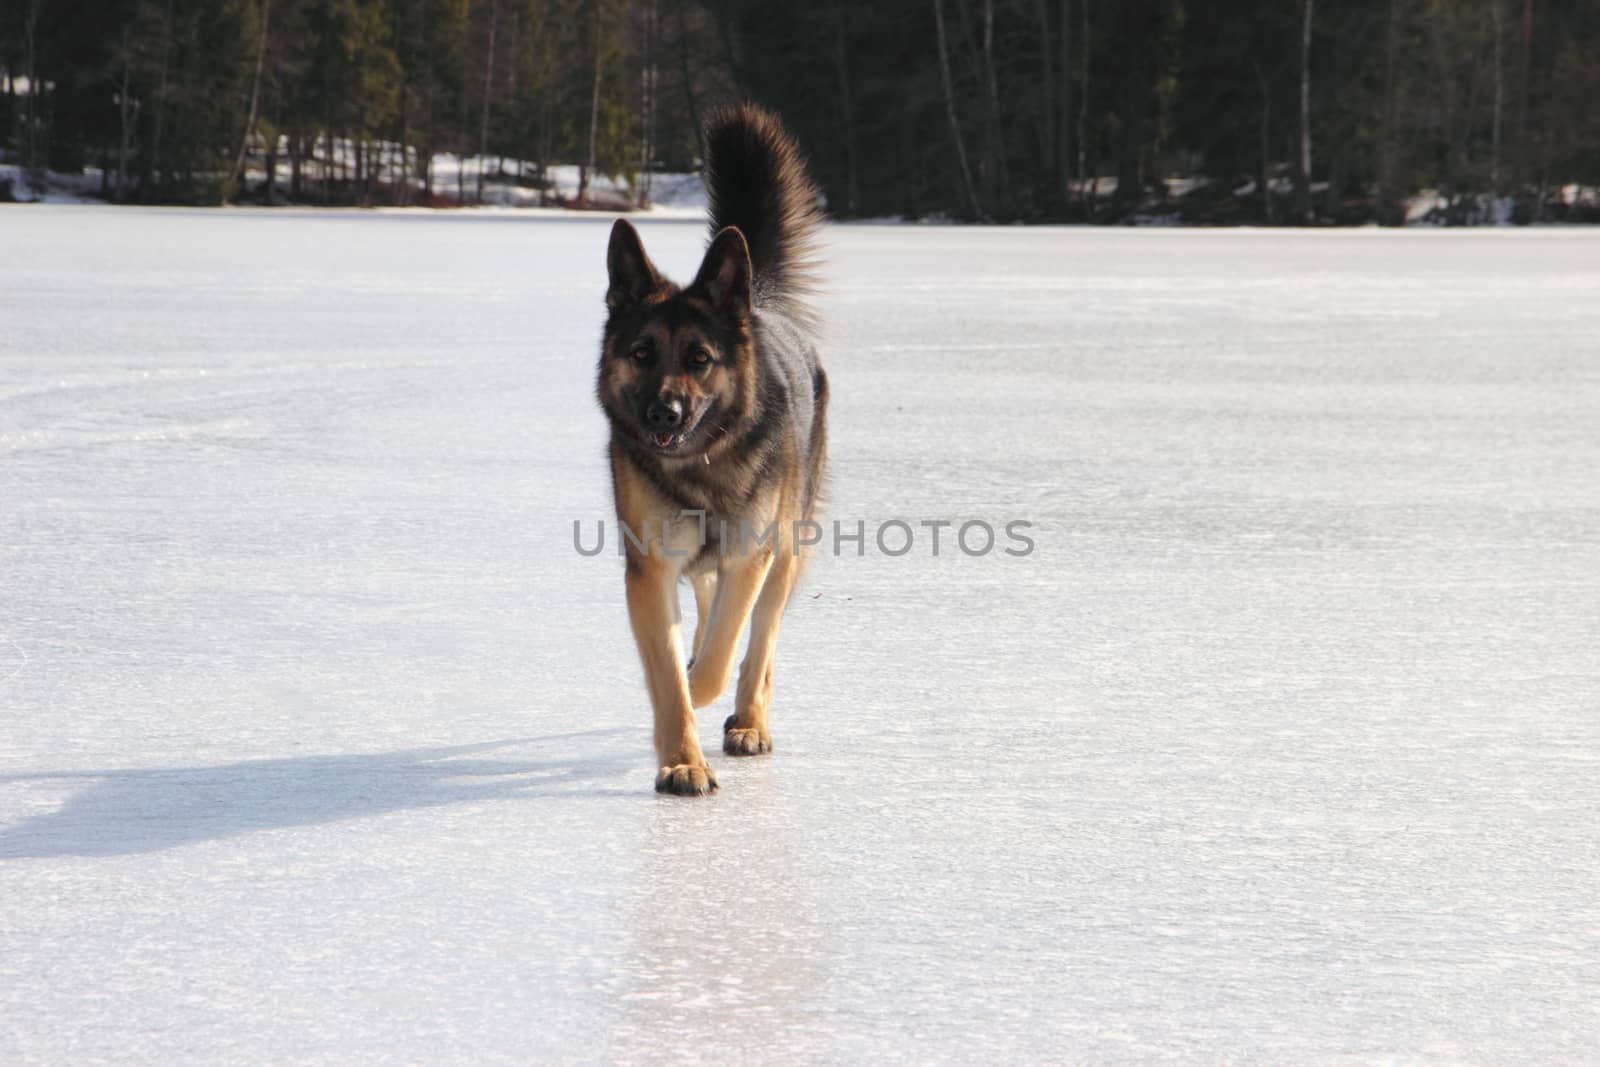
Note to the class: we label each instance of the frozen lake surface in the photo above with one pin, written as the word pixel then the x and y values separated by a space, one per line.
pixel 319 743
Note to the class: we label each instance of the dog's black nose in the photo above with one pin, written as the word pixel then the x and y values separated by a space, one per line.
pixel 664 414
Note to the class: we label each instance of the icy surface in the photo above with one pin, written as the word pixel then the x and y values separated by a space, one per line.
pixel 320 744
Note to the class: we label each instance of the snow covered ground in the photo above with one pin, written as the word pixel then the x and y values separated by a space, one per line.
pixel 319 743
pixel 671 195
pixel 54 189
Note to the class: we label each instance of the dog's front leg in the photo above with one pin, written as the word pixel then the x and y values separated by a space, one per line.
pixel 653 612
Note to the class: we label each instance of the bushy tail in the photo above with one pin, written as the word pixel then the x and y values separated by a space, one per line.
pixel 756 180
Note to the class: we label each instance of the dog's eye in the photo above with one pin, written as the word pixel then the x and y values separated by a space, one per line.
pixel 640 353
pixel 699 357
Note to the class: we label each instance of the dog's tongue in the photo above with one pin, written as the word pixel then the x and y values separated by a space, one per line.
pixel 663 440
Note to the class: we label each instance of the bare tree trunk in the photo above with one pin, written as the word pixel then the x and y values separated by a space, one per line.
pixel 1303 177
pixel 401 195
pixel 996 148
pixel 461 148
pixel 237 174
pixel 327 163
pixel 1335 164
pixel 1083 103
pixel 1264 163
pixel 647 78
pixel 488 84
pixel 163 96
pixel 425 146
pixel 1386 190
pixel 841 64
pixel 514 60
pixel 1525 43
pixel 686 74
pixel 30 156
pixel 587 172
pixel 125 111
pixel 730 57
pixel 403 177
pixel 1064 138
pixel 950 111
pixel 546 107
pixel 268 193
pixel 428 139
pixel 1133 135
pixel 1047 104
pixel 1497 19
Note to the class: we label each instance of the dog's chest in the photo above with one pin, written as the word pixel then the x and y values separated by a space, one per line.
pixel 728 489
pixel 702 538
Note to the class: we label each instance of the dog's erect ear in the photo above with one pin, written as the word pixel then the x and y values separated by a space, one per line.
pixel 633 276
pixel 724 276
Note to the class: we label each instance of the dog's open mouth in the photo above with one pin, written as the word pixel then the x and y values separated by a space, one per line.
pixel 670 441
pixel 681 439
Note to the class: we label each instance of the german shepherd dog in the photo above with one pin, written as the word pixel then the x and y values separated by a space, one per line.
pixel 716 398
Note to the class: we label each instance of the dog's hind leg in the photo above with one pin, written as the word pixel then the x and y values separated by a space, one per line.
pixel 739 582
pixel 745 733
pixel 653 612
pixel 705 588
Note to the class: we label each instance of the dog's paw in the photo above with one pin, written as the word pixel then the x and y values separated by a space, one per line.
pixel 745 741
pixel 686 780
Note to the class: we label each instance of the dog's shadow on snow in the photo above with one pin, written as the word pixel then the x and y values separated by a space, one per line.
pixel 123 812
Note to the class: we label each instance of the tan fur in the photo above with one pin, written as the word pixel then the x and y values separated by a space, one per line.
pixel 746 733
pixel 739 582
pixel 705 590
pixel 652 588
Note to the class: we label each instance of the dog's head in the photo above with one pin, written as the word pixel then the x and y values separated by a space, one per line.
pixel 676 368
